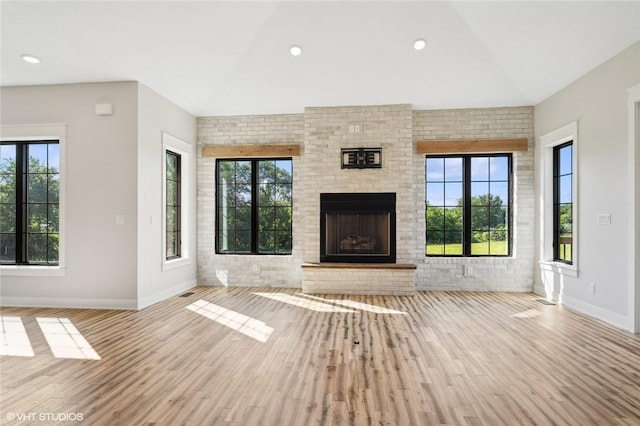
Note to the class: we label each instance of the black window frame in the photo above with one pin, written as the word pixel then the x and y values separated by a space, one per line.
pixel 22 202
pixel 177 205
pixel 467 231
pixel 557 205
pixel 254 207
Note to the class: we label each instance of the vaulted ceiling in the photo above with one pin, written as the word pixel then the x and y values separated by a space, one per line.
pixel 230 58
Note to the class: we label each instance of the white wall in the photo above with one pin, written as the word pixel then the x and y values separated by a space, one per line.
pixel 156 279
pixel 100 171
pixel 598 103
pixel 112 166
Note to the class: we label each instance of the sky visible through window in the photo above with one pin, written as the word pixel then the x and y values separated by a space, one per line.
pixel 449 170
pixel 566 167
pixel 38 152
pixel 284 165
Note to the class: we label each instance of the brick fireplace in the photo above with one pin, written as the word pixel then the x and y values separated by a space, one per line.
pixel 358 222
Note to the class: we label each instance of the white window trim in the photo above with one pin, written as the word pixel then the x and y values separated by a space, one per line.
pixel 548 142
pixel 29 132
pixel 185 150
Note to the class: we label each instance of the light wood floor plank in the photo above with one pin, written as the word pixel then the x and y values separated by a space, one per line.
pixel 458 358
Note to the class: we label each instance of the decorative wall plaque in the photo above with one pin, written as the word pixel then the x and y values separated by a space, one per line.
pixel 361 158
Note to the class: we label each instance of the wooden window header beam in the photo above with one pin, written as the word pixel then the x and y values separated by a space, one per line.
pixel 263 151
pixel 471 146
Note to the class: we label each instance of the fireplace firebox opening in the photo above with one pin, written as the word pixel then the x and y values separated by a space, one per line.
pixel 358 227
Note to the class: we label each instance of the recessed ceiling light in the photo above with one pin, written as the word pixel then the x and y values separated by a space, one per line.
pixel 295 50
pixel 419 44
pixel 31 59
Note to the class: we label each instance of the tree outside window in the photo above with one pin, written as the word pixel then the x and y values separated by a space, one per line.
pixel 29 202
pixel 173 202
pixel 563 202
pixel 254 206
pixel 467 205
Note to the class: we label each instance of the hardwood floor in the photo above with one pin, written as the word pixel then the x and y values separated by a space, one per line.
pixel 284 358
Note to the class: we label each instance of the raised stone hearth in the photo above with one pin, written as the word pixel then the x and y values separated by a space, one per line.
pixel 359 278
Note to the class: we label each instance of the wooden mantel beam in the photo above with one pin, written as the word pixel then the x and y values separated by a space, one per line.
pixel 471 146
pixel 257 150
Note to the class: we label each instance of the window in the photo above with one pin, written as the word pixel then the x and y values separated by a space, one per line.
pixel 178 202
pixel 254 206
pixel 558 182
pixel 563 202
pixel 172 205
pixel 29 202
pixel 468 207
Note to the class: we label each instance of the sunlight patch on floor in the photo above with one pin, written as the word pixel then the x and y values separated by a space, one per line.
pixel 303 303
pixel 14 340
pixel 65 340
pixel 530 313
pixel 358 305
pixel 248 326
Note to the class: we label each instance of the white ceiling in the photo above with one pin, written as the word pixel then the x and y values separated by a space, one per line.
pixel 230 58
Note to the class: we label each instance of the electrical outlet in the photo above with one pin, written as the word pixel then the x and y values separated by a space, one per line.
pixel 604 219
pixel 592 287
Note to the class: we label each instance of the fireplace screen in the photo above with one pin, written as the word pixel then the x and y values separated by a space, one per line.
pixel 357 234
pixel 357 227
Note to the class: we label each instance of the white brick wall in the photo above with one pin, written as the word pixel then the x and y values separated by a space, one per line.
pixel 395 128
pixel 246 270
pixel 498 274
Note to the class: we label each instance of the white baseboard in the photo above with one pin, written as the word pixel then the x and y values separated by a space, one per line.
pixel 579 306
pixel 584 308
pixel 49 302
pixel 121 304
pixel 159 296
